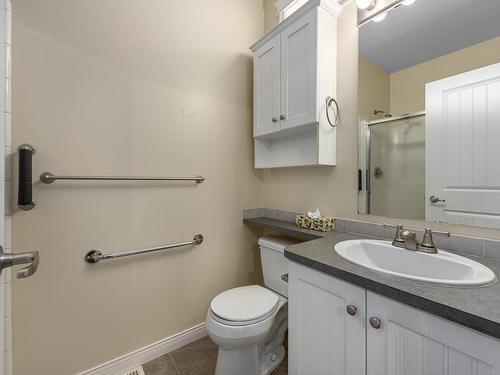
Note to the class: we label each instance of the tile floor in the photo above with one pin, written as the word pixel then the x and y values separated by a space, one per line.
pixel 197 358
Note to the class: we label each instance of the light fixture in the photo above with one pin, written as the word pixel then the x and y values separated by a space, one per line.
pixel 408 2
pixel 380 17
pixel 366 4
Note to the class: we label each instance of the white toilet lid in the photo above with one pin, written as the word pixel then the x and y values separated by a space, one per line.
pixel 245 303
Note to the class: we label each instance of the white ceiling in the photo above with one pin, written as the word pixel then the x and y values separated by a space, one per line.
pixel 428 29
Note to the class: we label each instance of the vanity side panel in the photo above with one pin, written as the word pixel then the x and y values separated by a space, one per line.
pixel 327 85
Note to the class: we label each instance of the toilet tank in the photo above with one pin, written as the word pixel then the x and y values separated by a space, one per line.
pixel 274 263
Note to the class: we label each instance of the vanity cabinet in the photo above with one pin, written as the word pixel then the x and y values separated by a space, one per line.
pixel 412 342
pixel 295 68
pixel 323 338
pixel 383 337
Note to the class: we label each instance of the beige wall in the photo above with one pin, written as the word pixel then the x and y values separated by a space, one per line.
pixel 334 190
pixel 408 85
pixel 270 15
pixel 100 88
pixel 374 89
pixel 107 88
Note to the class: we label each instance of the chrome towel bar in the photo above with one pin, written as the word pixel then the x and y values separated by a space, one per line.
pixel 95 256
pixel 48 178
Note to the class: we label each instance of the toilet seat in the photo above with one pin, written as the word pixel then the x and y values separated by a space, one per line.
pixel 244 305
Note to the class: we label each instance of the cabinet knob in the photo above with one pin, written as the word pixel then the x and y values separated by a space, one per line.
pixel 282 117
pixel 351 310
pixel 375 322
pixel 275 119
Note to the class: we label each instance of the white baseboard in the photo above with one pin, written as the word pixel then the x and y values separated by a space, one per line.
pixel 138 357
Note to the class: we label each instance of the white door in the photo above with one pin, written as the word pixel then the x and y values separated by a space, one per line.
pixel 7 258
pixel 411 342
pixel 324 339
pixel 463 148
pixel 4 359
pixel 267 88
pixel 298 72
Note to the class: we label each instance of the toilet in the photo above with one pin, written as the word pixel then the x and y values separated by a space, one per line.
pixel 249 323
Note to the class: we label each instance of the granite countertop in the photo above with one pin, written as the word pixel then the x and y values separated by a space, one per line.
pixel 285 227
pixel 476 308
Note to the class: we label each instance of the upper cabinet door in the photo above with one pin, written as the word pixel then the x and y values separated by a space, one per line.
pixel 299 72
pixel 267 88
pixel 326 324
pixel 411 342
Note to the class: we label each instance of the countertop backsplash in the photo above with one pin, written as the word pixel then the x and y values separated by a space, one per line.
pixel 474 246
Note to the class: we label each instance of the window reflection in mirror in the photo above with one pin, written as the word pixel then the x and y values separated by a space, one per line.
pixel 429 113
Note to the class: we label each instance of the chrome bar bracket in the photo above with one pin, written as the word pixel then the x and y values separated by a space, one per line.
pixel 93 256
pixel 47 178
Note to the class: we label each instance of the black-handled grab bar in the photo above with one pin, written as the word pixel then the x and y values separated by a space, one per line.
pixel 25 190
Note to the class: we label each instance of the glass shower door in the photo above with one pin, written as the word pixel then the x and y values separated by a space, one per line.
pixel 397 167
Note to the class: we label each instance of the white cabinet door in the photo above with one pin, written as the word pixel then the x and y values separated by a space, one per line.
pixel 463 148
pixel 412 342
pixel 298 72
pixel 267 88
pixel 323 338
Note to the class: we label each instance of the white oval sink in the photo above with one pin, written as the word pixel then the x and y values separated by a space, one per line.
pixel 443 268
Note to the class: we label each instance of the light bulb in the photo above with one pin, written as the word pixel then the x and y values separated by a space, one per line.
pixel 408 2
pixel 380 17
pixel 366 4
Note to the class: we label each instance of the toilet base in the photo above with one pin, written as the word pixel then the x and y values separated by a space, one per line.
pixel 271 362
pixel 247 361
pixel 255 359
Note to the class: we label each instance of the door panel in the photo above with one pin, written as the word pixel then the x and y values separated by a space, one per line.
pixel 5 344
pixel 463 148
pixel 411 342
pixel 323 338
pixel 298 72
pixel 267 88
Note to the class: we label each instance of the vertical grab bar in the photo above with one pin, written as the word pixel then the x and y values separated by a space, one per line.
pixel 25 190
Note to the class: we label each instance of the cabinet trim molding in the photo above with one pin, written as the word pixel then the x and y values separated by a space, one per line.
pixel 329 5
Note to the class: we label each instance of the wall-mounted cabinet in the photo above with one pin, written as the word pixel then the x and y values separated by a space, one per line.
pixel 336 328
pixel 295 70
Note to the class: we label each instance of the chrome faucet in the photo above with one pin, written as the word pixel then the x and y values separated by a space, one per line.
pixel 407 239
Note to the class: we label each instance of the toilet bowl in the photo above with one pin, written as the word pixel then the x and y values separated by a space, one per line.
pixel 249 323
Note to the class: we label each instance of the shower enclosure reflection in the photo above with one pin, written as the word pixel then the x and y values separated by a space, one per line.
pixel 396 166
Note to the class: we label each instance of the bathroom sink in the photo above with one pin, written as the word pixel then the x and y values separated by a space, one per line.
pixel 443 268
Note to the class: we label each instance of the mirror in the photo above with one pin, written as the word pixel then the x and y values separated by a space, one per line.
pixel 429 112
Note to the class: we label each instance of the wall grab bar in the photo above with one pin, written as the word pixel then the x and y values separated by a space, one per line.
pixel 48 178
pixel 25 187
pixel 95 256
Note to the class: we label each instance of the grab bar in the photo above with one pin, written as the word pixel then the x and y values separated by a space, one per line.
pixel 48 178
pixel 95 256
pixel 25 188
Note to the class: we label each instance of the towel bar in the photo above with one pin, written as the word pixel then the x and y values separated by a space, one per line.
pixel 48 178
